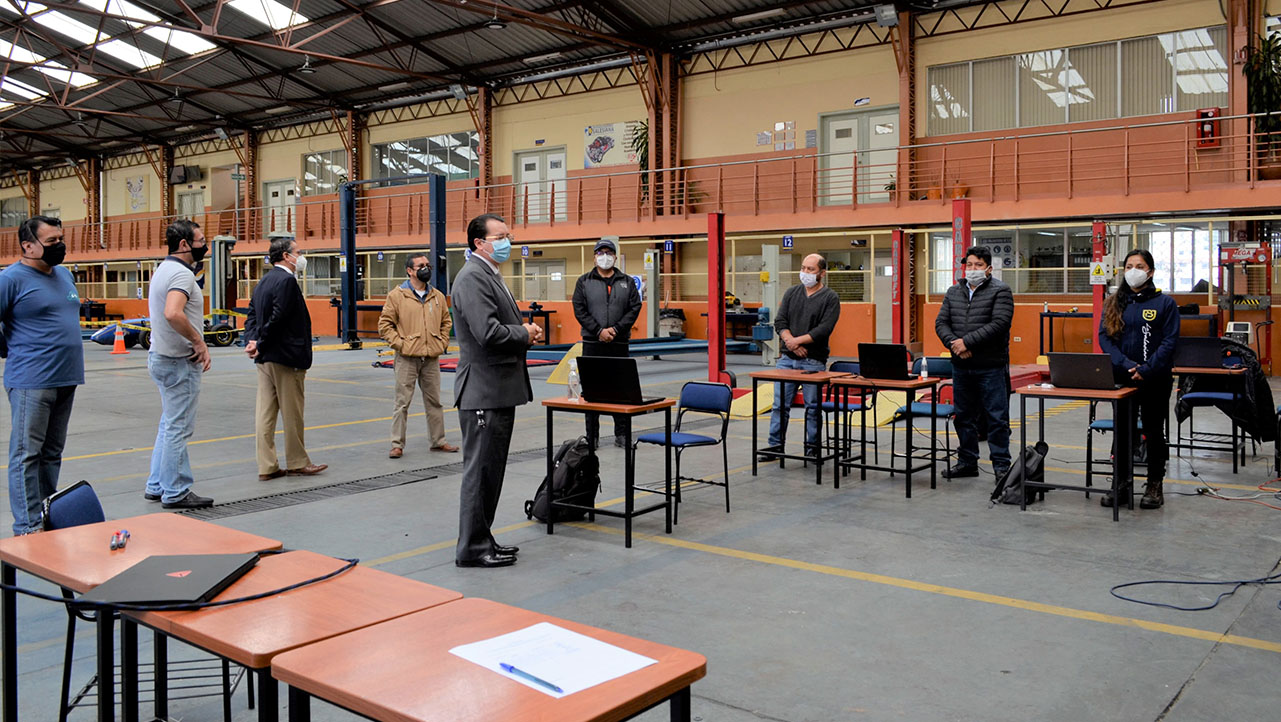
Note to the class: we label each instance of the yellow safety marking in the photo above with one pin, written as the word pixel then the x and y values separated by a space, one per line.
pixel 337 381
pixel 560 374
pixel 346 347
pixel 1024 604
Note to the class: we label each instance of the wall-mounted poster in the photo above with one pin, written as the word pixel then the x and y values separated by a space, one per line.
pixel 609 144
pixel 136 190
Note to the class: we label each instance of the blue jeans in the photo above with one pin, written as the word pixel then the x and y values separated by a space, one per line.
pixel 982 393
pixel 179 382
pixel 39 430
pixel 783 395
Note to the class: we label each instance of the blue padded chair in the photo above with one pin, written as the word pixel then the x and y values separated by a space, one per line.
pixel 77 505
pixel 699 397
pixel 1099 426
pixel 1217 441
pixel 834 401
pixel 940 367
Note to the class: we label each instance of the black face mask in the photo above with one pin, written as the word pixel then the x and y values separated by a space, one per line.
pixel 198 253
pixel 424 275
pixel 55 254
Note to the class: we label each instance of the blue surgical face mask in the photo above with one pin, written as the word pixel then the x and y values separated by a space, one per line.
pixel 502 250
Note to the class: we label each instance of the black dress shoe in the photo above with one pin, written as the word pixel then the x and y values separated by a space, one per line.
pixel 961 472
pixel 488 560
pixel 190 501
pixel 506 551
pixel 150 497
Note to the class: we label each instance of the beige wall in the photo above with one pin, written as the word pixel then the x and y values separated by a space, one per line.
pixel 560 122
pixel 723 112
pixel 279 161
pixel 117 195
pixel 65 194
pixel 1092 27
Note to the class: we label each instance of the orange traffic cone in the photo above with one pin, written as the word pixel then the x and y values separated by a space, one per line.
pixel 119 347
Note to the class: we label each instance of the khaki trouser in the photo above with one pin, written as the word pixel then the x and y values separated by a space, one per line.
pixel 280 390
pixel 424 371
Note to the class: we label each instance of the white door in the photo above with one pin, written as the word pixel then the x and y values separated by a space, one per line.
pixel 540 178
pixel 871 138
pixel 279 197
pixel 883 267
pixel 545 280
pixel 837 171
pixel 191 204
pixel 879 157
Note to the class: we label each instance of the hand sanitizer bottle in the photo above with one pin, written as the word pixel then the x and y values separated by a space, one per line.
pixel 574 391
pixel 925 367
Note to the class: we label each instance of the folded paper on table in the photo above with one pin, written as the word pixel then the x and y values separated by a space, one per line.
pixel 566 659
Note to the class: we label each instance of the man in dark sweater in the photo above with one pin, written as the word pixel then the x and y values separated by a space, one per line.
pixel 805 320
pixel 974 323
pixel 606 304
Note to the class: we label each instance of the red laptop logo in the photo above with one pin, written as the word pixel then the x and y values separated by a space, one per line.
pixel 178 574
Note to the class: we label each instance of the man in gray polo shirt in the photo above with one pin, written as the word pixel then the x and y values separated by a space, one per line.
pixel 177 358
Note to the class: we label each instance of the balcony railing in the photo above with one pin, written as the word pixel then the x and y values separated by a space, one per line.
pixel 1110 161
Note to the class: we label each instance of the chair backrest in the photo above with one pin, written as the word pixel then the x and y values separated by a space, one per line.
pixel 73 506
pixel 707 397
pixel 940 366
pixel 844 367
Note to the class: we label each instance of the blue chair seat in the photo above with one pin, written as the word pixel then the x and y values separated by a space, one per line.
pixel 921 408
pixel 1206 398
pixel 679 438
pixel 834 405
pixel 1107 424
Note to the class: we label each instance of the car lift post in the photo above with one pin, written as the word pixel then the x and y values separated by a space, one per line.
pixel 716 372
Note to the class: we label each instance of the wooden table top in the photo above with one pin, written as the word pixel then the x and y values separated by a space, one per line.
pixel 893 384
pixel 564 402
pixel 252 633
pixel 1085 394
pixel 80 557
pixel 1208 371
pixel 797 376
pixel 402 671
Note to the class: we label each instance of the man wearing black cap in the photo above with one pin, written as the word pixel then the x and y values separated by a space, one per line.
pixel 606 304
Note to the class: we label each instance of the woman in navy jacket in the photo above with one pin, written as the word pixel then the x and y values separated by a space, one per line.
pixel 1139 331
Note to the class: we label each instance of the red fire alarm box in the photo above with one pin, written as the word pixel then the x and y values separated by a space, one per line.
pixel 1207 127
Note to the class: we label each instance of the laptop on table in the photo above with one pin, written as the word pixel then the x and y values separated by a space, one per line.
pixel 886 361
pixel 1082 371
pixel 610 380
pixel 1194 352
pixel 172 579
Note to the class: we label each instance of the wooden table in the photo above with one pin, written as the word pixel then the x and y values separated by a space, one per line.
pixel 819 379
pixel 1235 373
pixel 79 558
pixel 564 403
pixel 402 670
pixel 910 386
pixel 1122 401
pixel 252 633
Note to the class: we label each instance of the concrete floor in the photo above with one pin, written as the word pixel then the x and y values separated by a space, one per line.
pixel 809 603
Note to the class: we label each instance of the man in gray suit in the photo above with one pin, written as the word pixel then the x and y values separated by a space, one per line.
pixel 491 382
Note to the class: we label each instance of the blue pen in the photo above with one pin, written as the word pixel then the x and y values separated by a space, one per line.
pixel 527 676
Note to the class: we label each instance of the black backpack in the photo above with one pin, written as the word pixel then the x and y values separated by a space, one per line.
pixel 575 479
pixel 1031 466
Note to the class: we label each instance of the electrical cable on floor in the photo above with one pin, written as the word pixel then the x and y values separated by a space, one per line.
pixel 1236 585
pixel 1214 492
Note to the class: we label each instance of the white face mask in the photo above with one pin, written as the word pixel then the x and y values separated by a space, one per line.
pixel 605 261
pixel 809 280
pixel 974 276
pixel 300 264
pixel 1136 277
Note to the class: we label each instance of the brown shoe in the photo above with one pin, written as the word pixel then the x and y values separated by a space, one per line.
pixel 273 475
pixel 308 470
pixel 395 453
pixel 445 447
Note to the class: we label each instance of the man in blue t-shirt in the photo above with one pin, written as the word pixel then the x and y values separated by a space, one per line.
pixel 40 314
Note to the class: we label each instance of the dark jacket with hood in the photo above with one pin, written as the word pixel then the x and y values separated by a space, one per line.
pixel 1149 332
pixel 601 303
pixel 982 322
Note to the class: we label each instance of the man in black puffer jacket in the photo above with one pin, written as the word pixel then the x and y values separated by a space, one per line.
pixel 974 323
pixel 606 304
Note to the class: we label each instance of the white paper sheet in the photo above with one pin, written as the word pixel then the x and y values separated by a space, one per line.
pixel 569 660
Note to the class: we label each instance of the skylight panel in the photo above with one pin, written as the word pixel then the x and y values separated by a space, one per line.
pixel 73 29
pixel 269 12
pixel 128 53
pixel 19 88
pixel 53 69
pixel 188 43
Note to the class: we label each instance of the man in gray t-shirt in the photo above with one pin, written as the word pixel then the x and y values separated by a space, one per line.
pixel 177 358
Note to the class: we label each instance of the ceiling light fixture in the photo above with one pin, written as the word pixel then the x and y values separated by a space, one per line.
pixel 394 86
pixel 306 65
pixel 494 23
pixel 278 110
pixel 460 93
pixel 542 58
pixel 761 15
pixel 80 120
pixel 175 98
pixel 886 15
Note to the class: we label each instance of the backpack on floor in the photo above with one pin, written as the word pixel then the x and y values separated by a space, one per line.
pixel 1031 467
pixel 575 479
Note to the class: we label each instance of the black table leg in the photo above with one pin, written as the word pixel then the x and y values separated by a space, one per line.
pixel 818 449
pixel 842 429
pixel 106 665
pixel 862 437
pixel 269 695
pixel 934 438
pixel 755 388
pixel 160 653
pixel 680 706
pixel 1123 476
pixel 907 443
pixel 299 705
pixel 1018 456
pixel 9 603
pixel 549 470
pixel 129 669
pixel 667 447
pixel 629 495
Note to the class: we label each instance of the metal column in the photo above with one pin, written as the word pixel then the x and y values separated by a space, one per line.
pixel 770 299
pixel 716 298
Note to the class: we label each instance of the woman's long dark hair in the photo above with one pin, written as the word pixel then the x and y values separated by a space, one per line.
pixel 1115 305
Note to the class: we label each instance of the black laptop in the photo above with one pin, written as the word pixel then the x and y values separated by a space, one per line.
pixel 1082 371
pixel 172 579
pixel 608 380
pixel 883 361
pixel 1199 352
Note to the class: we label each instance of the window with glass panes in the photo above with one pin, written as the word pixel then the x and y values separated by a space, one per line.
pixel 322 172
pixel 13 211
pixel 1149 75
pixel 453 155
